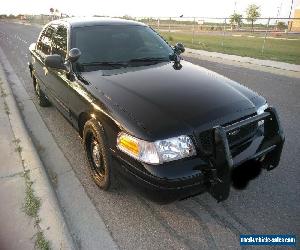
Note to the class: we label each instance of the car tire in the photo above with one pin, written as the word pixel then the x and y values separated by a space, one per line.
pixel 42 98
pixel 98 155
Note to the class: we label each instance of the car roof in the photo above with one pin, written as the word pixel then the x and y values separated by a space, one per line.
pixel 92 21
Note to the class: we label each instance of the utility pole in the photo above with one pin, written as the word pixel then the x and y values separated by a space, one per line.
pixel 291 22
pixel 291 8
pixel 279 10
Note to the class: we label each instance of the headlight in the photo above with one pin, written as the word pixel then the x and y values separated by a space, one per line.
pixel 156 152
pixel 262 109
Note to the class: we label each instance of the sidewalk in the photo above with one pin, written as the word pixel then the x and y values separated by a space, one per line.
pixel 248 60
pixel 17 229
pixel 30 216
pixel 66 209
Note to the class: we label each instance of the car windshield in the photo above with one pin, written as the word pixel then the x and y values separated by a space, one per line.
pixel 111 46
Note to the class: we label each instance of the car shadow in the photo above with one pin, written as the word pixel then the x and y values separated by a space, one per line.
pixel 243 174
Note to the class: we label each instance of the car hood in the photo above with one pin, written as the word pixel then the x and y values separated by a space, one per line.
pixel 166 101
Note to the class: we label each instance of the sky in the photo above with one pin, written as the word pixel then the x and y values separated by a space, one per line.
pixel 154 8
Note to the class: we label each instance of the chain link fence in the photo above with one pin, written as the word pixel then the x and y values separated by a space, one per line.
pixel 265 38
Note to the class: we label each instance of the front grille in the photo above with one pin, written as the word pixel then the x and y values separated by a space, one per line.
pixel 241 134
pixel 238 139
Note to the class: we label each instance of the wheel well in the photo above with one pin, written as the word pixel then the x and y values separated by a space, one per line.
pixel 33 80
pixel 83 118
pixel 30 69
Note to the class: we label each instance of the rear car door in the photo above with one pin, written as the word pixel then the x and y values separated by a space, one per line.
pixel 42 49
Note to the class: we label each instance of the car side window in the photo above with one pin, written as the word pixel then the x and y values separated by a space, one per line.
pixel 44 43
pixel 39 44
pixel 59 41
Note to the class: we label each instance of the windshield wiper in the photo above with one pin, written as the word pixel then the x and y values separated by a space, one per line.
pixel 148 59
pixel 112 64
pixel 125 63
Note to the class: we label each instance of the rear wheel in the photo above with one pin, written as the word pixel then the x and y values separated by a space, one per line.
pixel 42 98
pixel 98 155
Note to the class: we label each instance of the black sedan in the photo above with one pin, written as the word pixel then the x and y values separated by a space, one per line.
pixel 173 129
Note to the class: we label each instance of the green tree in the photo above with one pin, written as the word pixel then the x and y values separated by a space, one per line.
pixel 281 25
pixel 236 20
pixel 252 12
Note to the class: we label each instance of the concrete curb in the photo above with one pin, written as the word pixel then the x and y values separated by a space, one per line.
pixel 85 224
pixel 52 221
pixel 265 63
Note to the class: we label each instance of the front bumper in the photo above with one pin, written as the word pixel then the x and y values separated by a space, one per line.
pixel 212 172
pixel 268 151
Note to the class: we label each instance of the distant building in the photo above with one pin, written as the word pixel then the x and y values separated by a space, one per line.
pixel 294 25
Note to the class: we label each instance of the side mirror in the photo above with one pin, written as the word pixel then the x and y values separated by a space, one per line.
pixel 74 55
pixel 55 61
pixel 179 48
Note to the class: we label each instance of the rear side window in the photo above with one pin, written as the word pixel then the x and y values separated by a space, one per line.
pixel 59 41
pixel 44 43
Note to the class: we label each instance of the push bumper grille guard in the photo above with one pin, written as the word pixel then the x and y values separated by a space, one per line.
pixel 222 162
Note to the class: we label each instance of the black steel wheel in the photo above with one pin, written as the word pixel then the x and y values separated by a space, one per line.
pixel 98 155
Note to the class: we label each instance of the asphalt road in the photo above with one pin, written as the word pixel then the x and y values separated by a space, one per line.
pixel 269 205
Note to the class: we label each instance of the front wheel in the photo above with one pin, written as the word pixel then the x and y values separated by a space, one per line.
pixel 98 155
